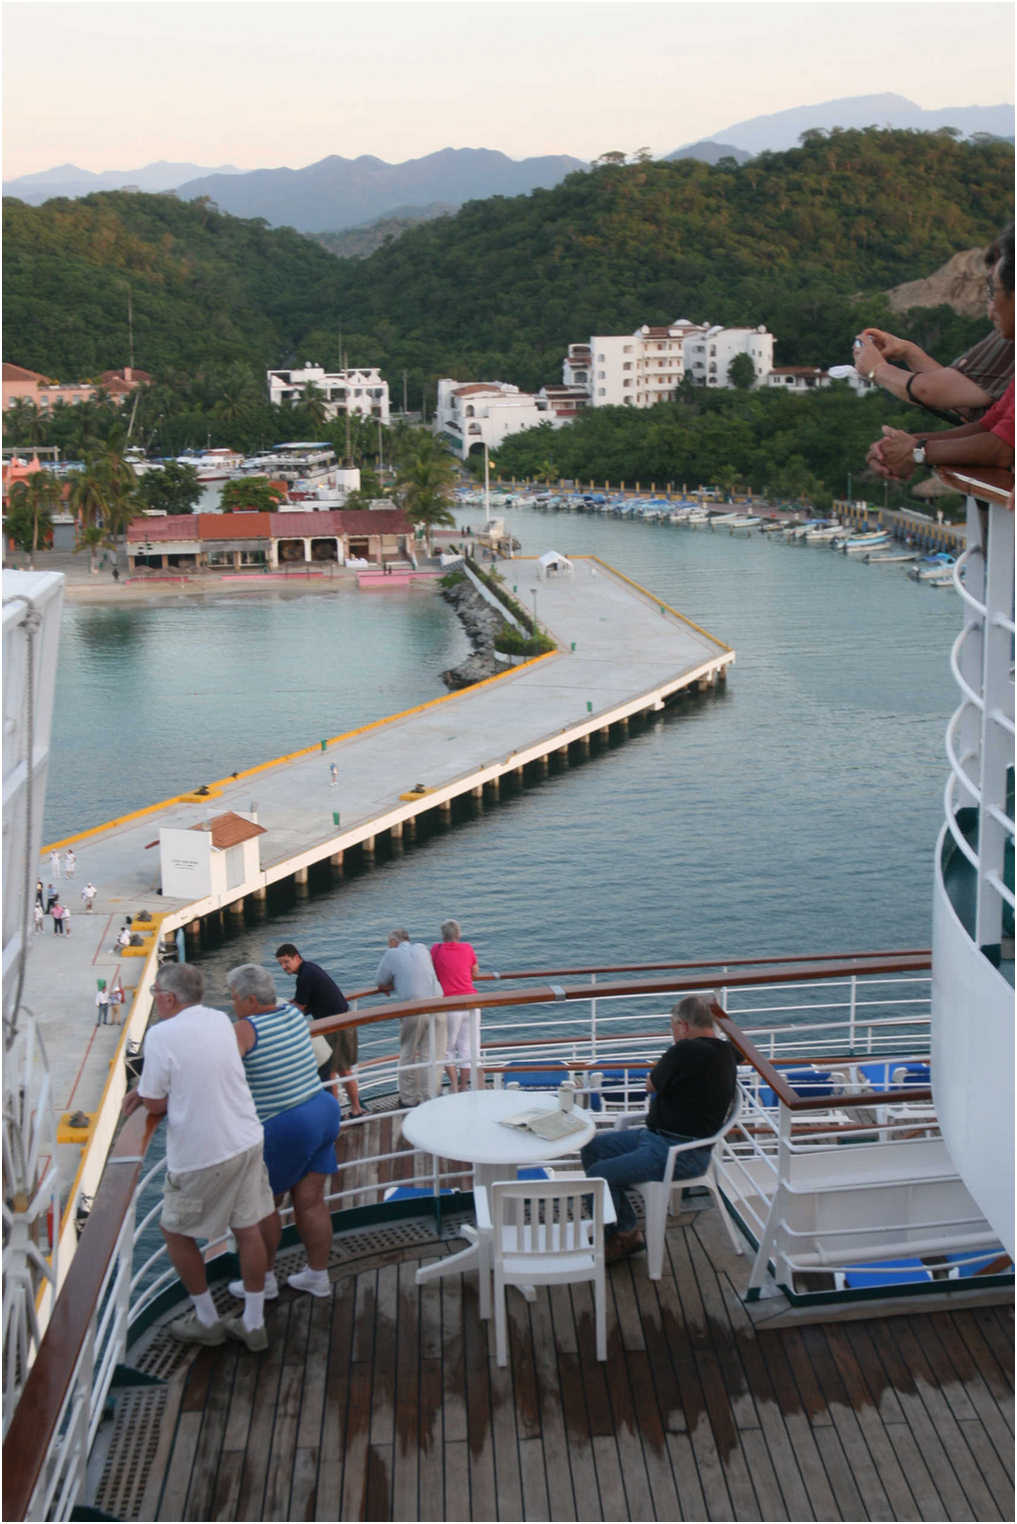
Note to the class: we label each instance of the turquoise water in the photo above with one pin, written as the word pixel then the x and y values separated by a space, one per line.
pixel 794 813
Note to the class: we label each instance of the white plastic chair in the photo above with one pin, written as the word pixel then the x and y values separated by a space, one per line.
pixel 535 1233
pixel 656 1194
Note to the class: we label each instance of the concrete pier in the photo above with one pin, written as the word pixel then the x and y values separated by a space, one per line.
pixel 632 655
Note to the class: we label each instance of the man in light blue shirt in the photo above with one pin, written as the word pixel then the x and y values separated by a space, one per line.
pixel 407 972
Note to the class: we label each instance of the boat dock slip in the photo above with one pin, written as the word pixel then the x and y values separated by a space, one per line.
pixel 621 653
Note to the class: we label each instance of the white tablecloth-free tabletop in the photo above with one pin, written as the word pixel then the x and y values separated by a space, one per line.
pixel 468 1126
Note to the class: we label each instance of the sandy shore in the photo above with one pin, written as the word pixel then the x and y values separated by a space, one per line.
pixel 80 586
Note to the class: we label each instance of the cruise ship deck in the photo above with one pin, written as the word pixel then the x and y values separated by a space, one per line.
pixel 385 1402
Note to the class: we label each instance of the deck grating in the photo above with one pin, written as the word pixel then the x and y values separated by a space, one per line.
pixel 384 1402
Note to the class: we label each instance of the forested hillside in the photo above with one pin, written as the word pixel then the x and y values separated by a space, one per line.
pixel 500 289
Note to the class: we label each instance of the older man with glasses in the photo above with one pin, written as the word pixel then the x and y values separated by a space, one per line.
pixel 216 1181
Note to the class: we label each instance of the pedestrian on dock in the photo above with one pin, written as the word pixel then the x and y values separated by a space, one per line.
pixel 51 898
pixel 216 1180
pixel 57 912
pixel 407 972
pixel 102 999
pixel 65 920
pixel 38 916
pixel 40 898
pixel 455 964
pixel 333 774
pixel 318 996
pixel 301 1122
pixel 54 864
pixel 88 895
pixel 70 863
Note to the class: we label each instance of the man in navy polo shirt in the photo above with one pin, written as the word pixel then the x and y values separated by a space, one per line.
pixel 318 996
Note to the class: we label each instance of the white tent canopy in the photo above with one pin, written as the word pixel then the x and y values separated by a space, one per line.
pixel 554 564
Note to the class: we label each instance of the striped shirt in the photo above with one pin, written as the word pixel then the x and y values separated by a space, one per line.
pixel 280 1066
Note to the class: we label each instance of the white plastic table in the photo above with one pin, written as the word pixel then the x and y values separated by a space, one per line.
pixel 469 1126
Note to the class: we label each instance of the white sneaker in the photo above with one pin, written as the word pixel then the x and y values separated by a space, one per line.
pixel 236 1288
pixel 314 1281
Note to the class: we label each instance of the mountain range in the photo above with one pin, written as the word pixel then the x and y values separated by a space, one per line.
pixel 335 193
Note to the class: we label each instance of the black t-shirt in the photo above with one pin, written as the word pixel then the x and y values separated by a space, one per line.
pixel 693 1086
pixel 319 995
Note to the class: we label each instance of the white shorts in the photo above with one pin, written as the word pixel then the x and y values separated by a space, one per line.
pixel 458 1039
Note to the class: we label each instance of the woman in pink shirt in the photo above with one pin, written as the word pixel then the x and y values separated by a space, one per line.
pixel 455 964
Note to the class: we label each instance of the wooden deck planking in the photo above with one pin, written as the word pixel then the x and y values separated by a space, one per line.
pixel 385 1402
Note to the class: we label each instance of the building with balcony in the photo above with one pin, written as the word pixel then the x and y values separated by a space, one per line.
pixel 709 352
pixel 477 413
pixel 20 384
pixel 645 367
pixel 359 391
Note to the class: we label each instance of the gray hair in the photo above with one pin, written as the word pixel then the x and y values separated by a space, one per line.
pixel 183 980
pixel 400 934
pixel 694 1009
pixel 450 931
pixel 251 979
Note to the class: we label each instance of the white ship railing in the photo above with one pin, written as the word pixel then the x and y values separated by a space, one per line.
pixel 607 1034
pixel 980 736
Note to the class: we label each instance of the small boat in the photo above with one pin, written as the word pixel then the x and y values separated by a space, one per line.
pixel 933 568
pixel 830 531
pixel 891 555
pixel 857 544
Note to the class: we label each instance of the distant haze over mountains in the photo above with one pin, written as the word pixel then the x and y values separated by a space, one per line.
pixel 782 130
pixel 336 193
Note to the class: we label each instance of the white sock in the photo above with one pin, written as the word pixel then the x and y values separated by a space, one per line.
pixel 309 1277
pixel 205 1308
pixel 254 1309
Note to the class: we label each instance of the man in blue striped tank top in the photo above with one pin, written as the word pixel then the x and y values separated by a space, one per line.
pixel 300 1118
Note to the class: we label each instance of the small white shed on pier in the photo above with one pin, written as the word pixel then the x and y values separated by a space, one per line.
pixel 554 564
pixel 210 858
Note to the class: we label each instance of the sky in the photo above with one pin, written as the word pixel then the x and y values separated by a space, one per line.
pixel 123 83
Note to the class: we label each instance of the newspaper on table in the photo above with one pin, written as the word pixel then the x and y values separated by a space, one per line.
pixel 549 1125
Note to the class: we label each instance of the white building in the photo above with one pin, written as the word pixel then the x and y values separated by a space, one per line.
pixel 710 350
pixel 475 413
pixel 799 379
pixel 642 368
pixel 359 391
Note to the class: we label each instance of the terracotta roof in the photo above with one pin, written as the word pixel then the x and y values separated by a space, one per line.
pixel 229 830
pixel 175 526
pixel 476 386
pixel 340 521
pixel 136 378
pixel 234 526
pixel 19 373
pixel 797 370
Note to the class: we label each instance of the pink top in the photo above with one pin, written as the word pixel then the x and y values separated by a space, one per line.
pixel 454 963
pixel 999 418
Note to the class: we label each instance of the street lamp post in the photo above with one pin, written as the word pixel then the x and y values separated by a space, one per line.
pixel 533 593
pixel 487 488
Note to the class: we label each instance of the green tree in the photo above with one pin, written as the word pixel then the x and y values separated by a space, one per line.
pixel 31 502
pixel 427 474
pixel 251 494
pixel 741 373
pixel 105 497
pixel 173 488
pixel 369 489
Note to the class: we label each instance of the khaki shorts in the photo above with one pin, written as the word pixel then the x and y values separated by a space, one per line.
pixel 344 1047
pixel 206 1203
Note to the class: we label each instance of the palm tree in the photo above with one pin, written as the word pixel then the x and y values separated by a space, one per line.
pixel 22 422
pixel 32 501
pixel 104 496
pixel 426 476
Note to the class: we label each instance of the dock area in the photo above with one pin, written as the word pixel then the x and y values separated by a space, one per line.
pixel 620 653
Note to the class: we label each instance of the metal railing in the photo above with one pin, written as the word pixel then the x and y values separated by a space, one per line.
pixel 980 735
pixel 838 1013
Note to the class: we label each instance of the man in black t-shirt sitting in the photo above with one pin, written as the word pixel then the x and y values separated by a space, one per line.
pixel 691 1088
pixel 318 996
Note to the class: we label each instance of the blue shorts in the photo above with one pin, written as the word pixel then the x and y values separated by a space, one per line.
pixel 301 1141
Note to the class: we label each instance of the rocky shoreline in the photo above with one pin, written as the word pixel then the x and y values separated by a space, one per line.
pixel 481 623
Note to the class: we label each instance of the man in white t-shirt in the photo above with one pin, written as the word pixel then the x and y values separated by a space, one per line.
pixel 216 1179
pixel 406 970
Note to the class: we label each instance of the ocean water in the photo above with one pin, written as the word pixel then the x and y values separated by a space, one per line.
pixel 794 813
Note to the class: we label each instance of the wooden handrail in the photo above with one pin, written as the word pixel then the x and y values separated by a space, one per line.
pixel 786 1093
pixel 992 485
pixel 33 1425
pixel 718 963
pixel 545 994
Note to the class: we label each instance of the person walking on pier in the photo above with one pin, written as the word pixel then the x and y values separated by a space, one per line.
pixel 455 963
pixel 407 971
pixel 102 998
pixel 88 894
pixel 318 996
pixel 300 1118
pixel 56 910
pixel 70 863
pixel 54 864
pixel 216 1180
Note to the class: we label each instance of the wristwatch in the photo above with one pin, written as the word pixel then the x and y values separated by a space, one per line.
pixel 918 453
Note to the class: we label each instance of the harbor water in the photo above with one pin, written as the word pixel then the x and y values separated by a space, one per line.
pixel 794 812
